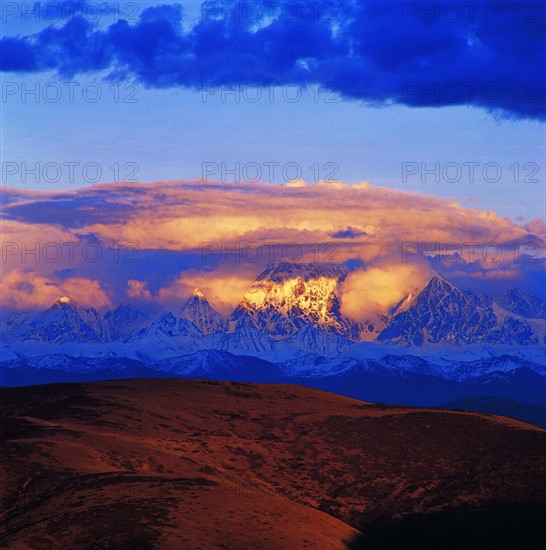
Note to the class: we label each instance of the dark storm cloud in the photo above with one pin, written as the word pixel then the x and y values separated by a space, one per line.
pixel 486 54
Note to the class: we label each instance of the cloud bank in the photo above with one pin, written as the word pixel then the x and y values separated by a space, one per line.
pixel 155 243
pixel 421 54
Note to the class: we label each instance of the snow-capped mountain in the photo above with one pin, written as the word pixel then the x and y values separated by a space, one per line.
pixel 245 338
pixel 292 308
pixel 441 313
pixel 370 329
pixel 286 298
pixel 64 321
pixel 198 311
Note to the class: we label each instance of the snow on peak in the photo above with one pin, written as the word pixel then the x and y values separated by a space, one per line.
pixel 287 296
pixel 198 294
pixel 63 300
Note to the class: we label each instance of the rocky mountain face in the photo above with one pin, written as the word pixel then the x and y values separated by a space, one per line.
pixel 517 302
pixel 65 321
pixel 295 306
pixel 124 321
pixel 173 332
pixel 198 311
pixel 441 313
pixel 287 298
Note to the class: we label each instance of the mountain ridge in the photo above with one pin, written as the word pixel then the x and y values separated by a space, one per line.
pixel 296 306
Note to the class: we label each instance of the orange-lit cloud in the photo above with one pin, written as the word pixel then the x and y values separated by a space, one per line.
pixel 327 222
pixel 369 293
pixel 22 289
pixel 138 290
pixel 223 291
pixel 538 227
pixel 190 214
pixel 183 215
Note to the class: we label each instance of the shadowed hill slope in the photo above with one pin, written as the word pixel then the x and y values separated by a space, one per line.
pixel 157 463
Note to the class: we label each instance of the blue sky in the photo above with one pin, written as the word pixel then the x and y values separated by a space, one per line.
pixel 374 124
pixel 170 133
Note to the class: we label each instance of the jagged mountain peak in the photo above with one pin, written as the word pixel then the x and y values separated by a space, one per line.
pixel 435 287
pixel 165 317
pixel 289 296
pixel 437 282
pixel 201 314
pixel 198 294
pixel 65 321
pixel 169 330
pixel 442 313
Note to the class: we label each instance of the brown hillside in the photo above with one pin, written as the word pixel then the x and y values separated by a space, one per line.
pixel 186 464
